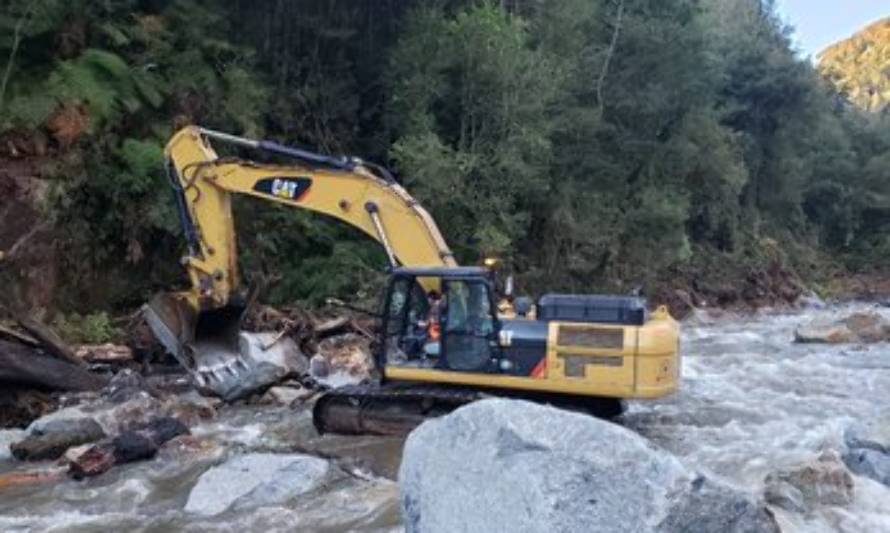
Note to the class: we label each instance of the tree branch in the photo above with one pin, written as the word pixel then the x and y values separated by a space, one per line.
pixel 16 40
pixel 619 15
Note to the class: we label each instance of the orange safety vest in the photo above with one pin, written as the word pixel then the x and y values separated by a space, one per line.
pixel 434 330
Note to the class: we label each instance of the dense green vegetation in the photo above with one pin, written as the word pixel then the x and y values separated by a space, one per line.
pixel 581 141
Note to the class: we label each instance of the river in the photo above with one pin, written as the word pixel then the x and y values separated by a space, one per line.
pixel 752 402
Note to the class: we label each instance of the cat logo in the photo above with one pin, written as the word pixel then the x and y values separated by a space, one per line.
pixel 284 188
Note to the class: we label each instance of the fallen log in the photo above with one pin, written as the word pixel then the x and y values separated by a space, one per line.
pixel 21 365
pixel 49 339
pixel 19 337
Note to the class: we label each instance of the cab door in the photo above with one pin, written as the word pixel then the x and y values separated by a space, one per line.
pixel 468 327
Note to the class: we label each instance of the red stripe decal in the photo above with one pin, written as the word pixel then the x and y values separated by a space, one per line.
pixel 540 368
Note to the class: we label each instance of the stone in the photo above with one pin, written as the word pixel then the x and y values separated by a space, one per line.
pixel 810 300
pixel 92 462
pixel 127 385
pixel 510 465
pixel 708 507
pixel 869 463
pixel 254 480
pixel 134 444
pixel 858 327
pixel 7 437
pixel 53 438
pixel 873 435
pixel 803 487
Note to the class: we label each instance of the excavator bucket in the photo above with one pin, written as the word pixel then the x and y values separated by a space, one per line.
pixel 221 359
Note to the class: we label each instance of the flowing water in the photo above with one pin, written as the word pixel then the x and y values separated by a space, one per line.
pixel 752 402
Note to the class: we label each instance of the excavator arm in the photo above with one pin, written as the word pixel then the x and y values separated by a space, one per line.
pixel 346 189
pixel 200 326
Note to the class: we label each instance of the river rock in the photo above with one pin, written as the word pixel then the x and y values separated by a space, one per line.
pixel 53 438
pixel 134 444
pixel 868 449
pixel 869 463
pixel 859 327
pixel 254 480
pixel 706 506
pixel 7 437
pixel 509 465
pixel 801 488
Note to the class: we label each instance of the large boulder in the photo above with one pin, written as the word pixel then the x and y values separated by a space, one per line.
pixel 53 438
pixel 255 480
pixel 509 465
pixel 859 327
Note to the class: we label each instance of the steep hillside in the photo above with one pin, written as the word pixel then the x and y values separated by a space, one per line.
pixel 860 66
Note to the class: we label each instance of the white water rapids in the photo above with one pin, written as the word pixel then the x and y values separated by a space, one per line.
pixel 752 402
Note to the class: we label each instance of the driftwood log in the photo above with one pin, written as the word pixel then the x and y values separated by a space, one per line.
pixel 26 366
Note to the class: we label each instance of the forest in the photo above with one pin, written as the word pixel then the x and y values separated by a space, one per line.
pixel 590 145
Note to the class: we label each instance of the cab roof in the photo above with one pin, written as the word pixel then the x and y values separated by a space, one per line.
pixel 442 272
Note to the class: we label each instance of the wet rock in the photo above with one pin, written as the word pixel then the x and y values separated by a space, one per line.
pixel 190 408
pixel 810 300
pixel 873 435
pixel 135 444
pixel 507 465
pixel 869 463
pixel 708 507
pixel 858 327
pixel 825 481
pixel 127 385
pixel 255 480
pixel 51 441
pixel 7 437
pixel 91 462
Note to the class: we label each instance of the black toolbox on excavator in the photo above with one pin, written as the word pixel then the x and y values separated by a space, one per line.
pixel 625 310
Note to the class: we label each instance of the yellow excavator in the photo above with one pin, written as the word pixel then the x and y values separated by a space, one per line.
pixel 583 351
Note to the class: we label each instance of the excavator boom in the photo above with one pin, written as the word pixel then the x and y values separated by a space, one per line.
pixel 200 326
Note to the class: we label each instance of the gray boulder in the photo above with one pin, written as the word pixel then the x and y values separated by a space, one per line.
pixel 869 463
pixel 515 466
pixel 51 440
pixel 255 480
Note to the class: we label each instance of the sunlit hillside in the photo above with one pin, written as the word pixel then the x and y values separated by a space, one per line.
pixel 860 66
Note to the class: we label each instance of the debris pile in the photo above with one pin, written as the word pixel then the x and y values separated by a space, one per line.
pixel 90 407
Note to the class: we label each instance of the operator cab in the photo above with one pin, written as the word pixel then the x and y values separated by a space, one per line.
pixel 440 318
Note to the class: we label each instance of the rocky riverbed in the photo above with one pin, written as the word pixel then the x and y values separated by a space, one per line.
pixel 795 427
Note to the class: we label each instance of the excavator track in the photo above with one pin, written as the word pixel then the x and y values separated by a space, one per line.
pixel 393 409
pixel 397 408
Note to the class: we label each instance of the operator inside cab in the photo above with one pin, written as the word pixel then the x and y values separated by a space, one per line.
pixel 432 324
